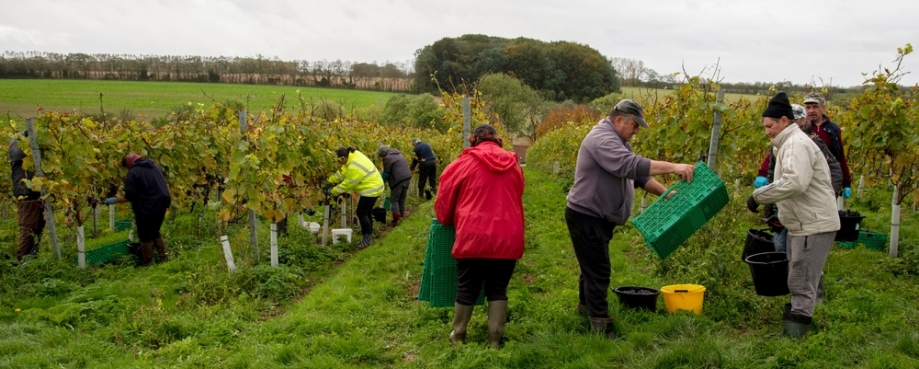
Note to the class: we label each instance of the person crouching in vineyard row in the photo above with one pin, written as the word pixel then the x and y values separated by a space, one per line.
pixel 803 192
pixel 145 187
pixel 29 203
pixel 605 178
pixel 481 195
pixel 427 167
pixel 395 170
pixel 358 174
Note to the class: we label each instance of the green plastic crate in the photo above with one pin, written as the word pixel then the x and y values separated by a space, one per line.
pixel 849 245
pixel 438 279
pixel 666 224
pixel 872 240
pixel 107 253
pixel 121 225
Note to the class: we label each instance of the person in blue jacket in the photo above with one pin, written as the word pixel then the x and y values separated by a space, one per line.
pixel 145 187
pixel 427 167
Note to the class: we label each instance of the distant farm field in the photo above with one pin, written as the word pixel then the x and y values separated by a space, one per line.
pixel 635 92
pixel 23 97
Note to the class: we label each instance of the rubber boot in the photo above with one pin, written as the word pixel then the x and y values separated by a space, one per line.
pixel 396 217
pixel 603 326
pixel 795 325
pixel 146 253
pixel 785 313
pixel 497 317
pixel 461 315
pixel 365 241
pixel 162 255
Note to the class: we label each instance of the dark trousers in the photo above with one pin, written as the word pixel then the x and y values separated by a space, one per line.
pixel 148 225
pixel 31 225
pixel 472 274
pixel 590 237
pixel 398 194
pixel 364 206
pixel 427 172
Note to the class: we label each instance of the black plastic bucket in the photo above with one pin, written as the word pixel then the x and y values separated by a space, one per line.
pixel 849 224
pixel 638 298
pixel 379 214
pixel 770 273
pixel 758 241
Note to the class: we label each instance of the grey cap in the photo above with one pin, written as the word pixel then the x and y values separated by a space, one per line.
pixel 631 107
pixel 415 140
pixel 383 150
pixel 814 98
pixel 798 110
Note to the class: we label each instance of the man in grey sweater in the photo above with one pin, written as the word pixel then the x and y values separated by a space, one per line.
pixel 605 177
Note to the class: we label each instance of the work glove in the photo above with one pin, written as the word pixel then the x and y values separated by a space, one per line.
pixel 752 204
pixel 110 201
pixel 385 176
pixel 327 191
pixel 846 193
pixel 760 182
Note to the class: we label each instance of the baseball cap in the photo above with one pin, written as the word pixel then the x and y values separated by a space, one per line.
pixel 415 140
pixel 798 110
pixel 629 106
pixel 814 98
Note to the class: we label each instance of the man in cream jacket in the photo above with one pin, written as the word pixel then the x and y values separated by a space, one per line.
pixel 803 192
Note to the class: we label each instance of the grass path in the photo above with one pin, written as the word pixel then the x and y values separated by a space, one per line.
pixel 364 313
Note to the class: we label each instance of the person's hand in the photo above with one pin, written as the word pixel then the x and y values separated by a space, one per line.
pixel 752 204
pixel 327 191
pixel 760 182
pixel 846 193
pixel 685 171
pixel 110 201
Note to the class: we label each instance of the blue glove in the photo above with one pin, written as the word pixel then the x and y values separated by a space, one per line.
pixel 110 201
pixel 385 176
pixel 846 193
pixel 760 182
pixel 327 191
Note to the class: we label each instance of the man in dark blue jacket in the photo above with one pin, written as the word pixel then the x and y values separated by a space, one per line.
pixel 427 167
pixel 145 187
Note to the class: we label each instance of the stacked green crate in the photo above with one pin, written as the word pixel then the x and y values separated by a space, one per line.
pixel 667 223
pixel 872 240
pixel 121 225
pixel 438 279
pixel 105 249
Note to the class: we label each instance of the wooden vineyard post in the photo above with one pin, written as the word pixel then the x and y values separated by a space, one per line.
pixel 466 124
pixel 49 213
pixel 716 131
pixel 253 225
pixel 274 245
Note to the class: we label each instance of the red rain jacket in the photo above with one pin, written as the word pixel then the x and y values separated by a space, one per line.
pixel 481 195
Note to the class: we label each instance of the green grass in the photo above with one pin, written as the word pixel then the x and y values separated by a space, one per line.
pixel 22 97
pixel 359 308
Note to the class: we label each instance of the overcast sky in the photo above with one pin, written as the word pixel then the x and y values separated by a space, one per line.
pixel 798 41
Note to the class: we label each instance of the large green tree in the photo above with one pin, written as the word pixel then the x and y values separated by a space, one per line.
pixel 557 70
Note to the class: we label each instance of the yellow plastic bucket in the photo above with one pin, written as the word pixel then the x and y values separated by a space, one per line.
pixel 684 297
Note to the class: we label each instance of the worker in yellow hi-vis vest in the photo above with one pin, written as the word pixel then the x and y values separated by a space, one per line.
pixel 358 174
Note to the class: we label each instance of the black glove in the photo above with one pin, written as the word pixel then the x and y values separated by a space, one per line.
pixel 752 205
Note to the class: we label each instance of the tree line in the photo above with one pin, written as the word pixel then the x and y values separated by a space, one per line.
pixel 388 76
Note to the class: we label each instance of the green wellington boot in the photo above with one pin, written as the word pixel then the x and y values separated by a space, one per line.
pixel 461 316
pixel 497 317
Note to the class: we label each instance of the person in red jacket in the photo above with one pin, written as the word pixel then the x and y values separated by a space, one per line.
pixel 481 195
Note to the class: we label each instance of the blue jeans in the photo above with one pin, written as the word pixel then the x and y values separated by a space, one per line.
pixel 780 240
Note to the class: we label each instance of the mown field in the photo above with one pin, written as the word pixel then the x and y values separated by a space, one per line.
pixel 22 97
pixel 335 307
